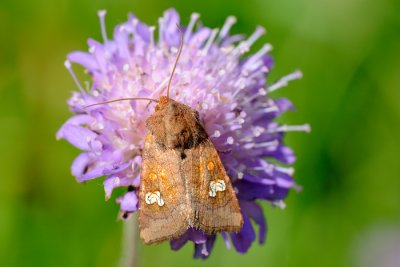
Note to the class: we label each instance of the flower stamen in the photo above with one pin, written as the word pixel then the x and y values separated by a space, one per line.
pixel 102 14
pixel 291 128
pixel 257 56
pixel 260 31
pixel 67 64
pixel 210 41
pixel 193 19
pixel 229 22
pixel 282 82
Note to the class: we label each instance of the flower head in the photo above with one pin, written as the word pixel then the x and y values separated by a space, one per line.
pixel 214 76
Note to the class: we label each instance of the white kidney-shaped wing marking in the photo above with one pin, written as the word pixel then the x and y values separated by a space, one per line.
pixel 216 186
pixel 154 197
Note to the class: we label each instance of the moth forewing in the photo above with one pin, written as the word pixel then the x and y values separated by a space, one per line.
pixel 162 206
pixel 213 199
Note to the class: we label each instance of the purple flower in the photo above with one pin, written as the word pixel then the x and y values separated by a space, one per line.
pixel 215 77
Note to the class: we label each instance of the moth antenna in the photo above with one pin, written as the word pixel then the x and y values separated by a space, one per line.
pixel 122 99
pixel 177 59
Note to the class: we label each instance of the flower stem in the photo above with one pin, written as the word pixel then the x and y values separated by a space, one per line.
pixel 129 256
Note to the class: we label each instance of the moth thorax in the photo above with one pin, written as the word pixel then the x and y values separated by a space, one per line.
pixel 162 102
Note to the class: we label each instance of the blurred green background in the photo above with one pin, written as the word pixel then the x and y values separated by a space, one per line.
pixel 349 52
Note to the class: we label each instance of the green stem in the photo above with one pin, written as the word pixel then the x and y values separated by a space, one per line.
pixel 129 255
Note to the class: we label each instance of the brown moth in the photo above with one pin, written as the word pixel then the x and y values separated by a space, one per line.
pixel 183 182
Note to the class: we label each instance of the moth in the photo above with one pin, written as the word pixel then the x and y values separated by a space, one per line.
pixel 183 181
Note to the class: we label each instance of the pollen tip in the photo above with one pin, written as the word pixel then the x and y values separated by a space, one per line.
pixel 231 19
pixel 268 47
pixel 67 64
pixel 281 204
pixel 102 13
pixel 298 188
pixel 217 133
pixel 92 49
pixel 230 140
pixel 262 91
pixel 261 30
pixel 299 74
pixel 195 16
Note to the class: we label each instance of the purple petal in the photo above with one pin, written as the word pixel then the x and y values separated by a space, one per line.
pixel 284 105
pixel 114 181
pixel 284 154
pixel 98 51
pixel 232 39
pixel 143 31
pixel 80 164
pixel 268 61
pixel 284 180
pixel 121 37
pixel 78 136
pixel 84 59
pixel 254 211
pixel 80 120
pixel 243 240
pixel 203 250
pixel 116 167
pixel 128 202
pixel 198 38
pixel 248 191
pixel 91 173
pixel 76 120
pixel 258 180
pixel 179 242
pixel 171 33
pixel 226 240
pixel 197 236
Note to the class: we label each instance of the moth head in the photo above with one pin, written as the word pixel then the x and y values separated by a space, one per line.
pixel 162 102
